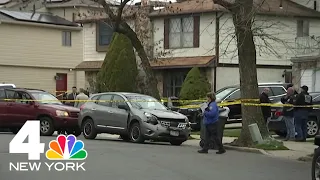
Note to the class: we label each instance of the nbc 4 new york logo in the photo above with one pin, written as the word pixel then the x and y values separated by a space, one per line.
pixel 66 153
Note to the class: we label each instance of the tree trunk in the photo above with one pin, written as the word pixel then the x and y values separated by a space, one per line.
pixel 242 20
pixel 148 87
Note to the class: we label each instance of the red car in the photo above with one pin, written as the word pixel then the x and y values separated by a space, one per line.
pixel 18 105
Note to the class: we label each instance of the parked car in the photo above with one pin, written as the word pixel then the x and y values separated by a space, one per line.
pixel 33 104
pixel 232 93
pixel 277 124
pixel 134 117
pixel 7 86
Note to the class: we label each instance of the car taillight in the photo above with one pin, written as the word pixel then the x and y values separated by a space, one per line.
pixel 278 113
pixel 81 107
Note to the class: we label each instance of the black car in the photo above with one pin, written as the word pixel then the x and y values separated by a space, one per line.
pixel 232 93
pixel 277 124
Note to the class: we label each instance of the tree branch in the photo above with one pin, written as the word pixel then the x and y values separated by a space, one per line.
pixel 119 15
pixel 224 3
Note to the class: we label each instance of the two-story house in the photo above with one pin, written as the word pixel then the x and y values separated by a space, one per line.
pixel 201 33
pixel 39 50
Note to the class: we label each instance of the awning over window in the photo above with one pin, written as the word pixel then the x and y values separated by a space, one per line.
pixel 183 62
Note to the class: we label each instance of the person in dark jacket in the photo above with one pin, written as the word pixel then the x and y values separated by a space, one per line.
pixel 288 114
pixel 72 96
pixel 211 117
pixel 301 113
pixel 264 98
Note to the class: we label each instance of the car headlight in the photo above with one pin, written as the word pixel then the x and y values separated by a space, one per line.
pixel 187 121
pixel 62 113
pixel 151 118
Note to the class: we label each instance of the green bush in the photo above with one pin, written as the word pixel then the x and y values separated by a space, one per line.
pixel 195 86
pixel 119 70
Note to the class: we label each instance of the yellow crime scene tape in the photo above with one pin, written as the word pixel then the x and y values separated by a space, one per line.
pixel 223 104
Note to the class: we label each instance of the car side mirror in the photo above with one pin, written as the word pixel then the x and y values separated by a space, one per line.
pixel 125 107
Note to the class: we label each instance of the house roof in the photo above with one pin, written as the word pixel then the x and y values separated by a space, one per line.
pixel 182 62
pixel 271 7
pixel 87 65
pixel 163 63
pixel 34 18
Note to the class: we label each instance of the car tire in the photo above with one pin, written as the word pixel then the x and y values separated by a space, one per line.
pixel 176 142
pixel 14 130
pixel 46 126
pixel 88 129
pixel 135 134
pixel 125 137
pixel 315 168
pixel 312 127
pixel 76 132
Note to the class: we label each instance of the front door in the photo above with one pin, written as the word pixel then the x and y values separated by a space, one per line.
pixel 119 116
pixel 61 84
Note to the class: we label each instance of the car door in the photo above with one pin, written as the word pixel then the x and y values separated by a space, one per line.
pixel 3 109
pixel 119 116
pixel 21 110
pixel 235 109
pixel 277 93
pixel 101 110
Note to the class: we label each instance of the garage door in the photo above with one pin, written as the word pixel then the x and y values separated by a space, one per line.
pixel 307 78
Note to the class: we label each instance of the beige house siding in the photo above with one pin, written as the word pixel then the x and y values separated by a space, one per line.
pixel 38 46
pixel 31 77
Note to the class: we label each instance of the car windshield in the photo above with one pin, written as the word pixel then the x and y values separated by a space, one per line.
pixel 223 93
pixel 45 98
pixel 146 102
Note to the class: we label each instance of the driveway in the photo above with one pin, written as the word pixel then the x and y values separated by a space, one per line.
pixel 118 160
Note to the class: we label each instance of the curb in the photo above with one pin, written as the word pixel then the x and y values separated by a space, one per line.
pixel 246 149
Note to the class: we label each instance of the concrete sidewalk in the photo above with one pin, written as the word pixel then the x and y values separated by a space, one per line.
pixel 297 149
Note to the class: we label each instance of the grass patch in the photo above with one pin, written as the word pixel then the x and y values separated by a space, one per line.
pixel 232 132
pixel 310 140
pixel 271 144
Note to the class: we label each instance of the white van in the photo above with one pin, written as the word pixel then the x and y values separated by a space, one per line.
pixel 7 86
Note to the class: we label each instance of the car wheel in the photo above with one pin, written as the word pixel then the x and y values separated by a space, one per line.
pixel 14 130
pixel 176 142
pixel 135 133
pixel 316 165
pixel 88 129
pixel 312 127
pixel 46 126
pixel 76 132
pixel 124 137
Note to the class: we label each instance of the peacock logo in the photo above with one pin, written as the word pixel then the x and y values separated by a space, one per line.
pixel 66 148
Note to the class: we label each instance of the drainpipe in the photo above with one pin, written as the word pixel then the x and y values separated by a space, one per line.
pixel 217 42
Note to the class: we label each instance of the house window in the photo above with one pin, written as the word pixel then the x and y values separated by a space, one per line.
pixel 104 35
pixel 181 32
pixel 302 28
pixel 173 83
pixel 66 38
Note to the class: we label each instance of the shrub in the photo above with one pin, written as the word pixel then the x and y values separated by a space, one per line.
pixel 119 70
pixel 195 86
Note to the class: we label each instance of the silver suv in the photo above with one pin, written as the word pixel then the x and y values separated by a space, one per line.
pixel 135 117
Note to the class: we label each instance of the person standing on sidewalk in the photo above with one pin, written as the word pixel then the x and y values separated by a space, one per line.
pixel 211 117
pixel 301 113
pixel 264 98
pixel 288 114
pixel 81 98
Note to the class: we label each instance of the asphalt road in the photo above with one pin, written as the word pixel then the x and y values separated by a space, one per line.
pixel 118 160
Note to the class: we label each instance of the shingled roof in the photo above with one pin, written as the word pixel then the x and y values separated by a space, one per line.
pixel 271 7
